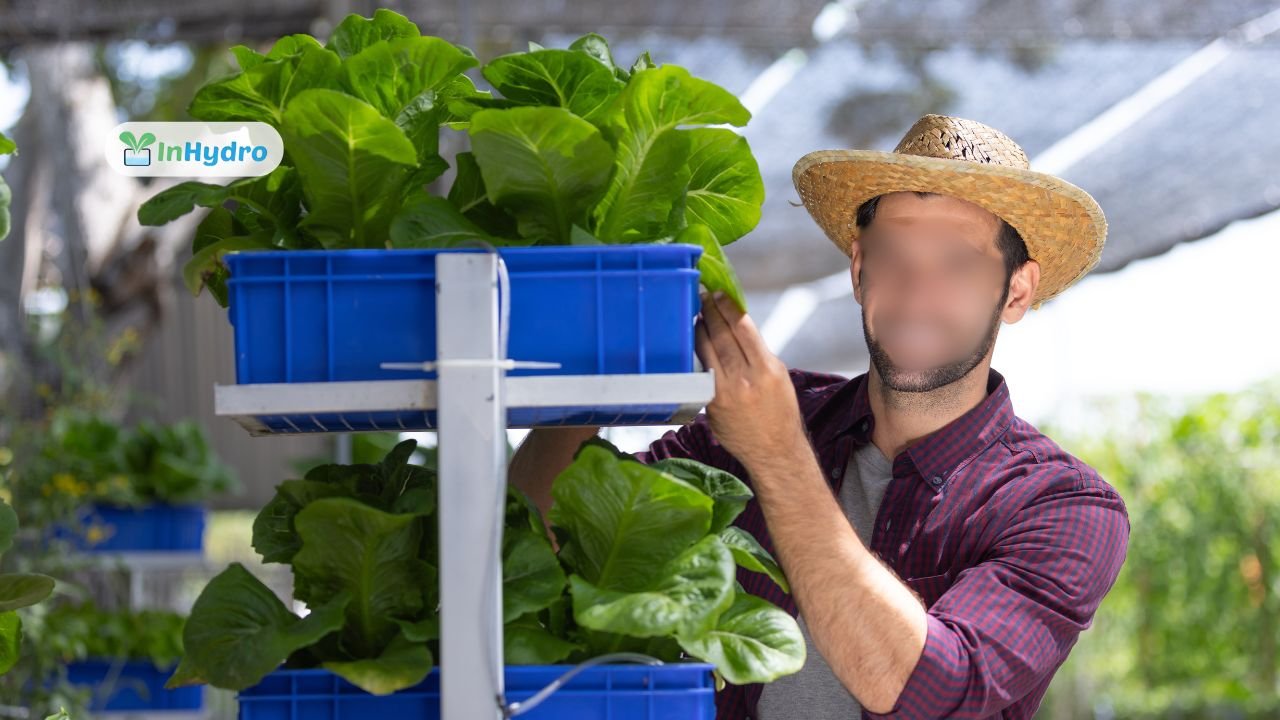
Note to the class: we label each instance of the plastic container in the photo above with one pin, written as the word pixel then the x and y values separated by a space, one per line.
pixel 315 316
pixel 154 528
pixel 323 316
pixel 135 685
pixel 683 691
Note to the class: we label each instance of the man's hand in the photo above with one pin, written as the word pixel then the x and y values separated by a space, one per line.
pixel 755 414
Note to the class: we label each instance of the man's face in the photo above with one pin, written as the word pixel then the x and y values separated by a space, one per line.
pixel 931 281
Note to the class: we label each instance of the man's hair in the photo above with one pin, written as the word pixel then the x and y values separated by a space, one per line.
pixel 1012 248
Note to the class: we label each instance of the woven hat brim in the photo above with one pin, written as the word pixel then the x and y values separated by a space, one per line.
pixel 1062 225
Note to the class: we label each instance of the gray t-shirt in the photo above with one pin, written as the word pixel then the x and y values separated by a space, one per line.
pixel 815 693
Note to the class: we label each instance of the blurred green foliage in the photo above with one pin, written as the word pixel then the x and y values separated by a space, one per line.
pixel 82 458
pixel 1192 626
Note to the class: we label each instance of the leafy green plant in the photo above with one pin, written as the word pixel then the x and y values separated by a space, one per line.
pixel 369 448
pixel 652 555
pixel 86 458
pixel 170 463
pixel 361 542
pixel 17 591
pixel 82 631
pixel 576 150
pixel 647 563
pixel 1201 477
pixel 72 629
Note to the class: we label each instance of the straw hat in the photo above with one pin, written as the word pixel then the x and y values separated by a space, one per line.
pixel 1063 226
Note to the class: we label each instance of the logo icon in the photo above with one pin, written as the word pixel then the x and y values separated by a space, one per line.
pixel 137 153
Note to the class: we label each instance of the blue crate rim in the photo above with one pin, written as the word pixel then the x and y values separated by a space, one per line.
pixel 687 669
pixel 673 248
pixel 155 507
pixel 144 663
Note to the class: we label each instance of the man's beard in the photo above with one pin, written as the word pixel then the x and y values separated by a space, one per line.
pixel 923 381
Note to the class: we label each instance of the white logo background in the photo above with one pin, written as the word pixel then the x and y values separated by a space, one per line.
pixel 210 135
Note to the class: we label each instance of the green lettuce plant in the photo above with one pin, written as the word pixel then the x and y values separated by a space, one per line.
pixel 86 459
pixel 651 557
pixel 647 562
pixel 573 150
pixel 75 629
pixel 361 542
pixel 83 631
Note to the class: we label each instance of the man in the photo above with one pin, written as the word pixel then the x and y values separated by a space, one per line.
pixel 943 554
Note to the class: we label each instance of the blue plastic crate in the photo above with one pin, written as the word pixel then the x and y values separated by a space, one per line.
pixel 154 528
pixel 134 685
pixel 316 316
pixel 683 691
pixel 322 316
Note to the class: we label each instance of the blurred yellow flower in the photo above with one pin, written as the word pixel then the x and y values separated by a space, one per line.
pixel 95 534
pixel 124 344
pixel 67 484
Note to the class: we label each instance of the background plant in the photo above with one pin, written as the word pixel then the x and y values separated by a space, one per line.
pixel 79 631
pixel 85 458
pixel 73 628
pixel 1201 479
pixel 18 590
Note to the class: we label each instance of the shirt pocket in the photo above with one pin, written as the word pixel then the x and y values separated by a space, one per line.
pixel 930 587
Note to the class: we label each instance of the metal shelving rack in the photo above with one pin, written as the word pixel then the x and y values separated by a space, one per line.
pixel 471 399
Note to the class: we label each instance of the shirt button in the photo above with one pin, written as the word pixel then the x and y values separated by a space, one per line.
pixel 835 473
pixel 935 481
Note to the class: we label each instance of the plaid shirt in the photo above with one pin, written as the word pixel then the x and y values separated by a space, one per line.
pixel 1010 541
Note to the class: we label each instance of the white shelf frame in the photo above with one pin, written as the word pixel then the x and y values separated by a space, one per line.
pixel 690 392
pixel 471 399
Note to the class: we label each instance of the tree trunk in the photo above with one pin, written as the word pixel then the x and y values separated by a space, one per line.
pixel 75 228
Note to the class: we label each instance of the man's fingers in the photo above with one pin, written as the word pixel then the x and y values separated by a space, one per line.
pixel 722 336
pixel 750 341
pixel 706 351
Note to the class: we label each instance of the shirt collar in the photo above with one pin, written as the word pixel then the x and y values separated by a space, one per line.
pixel 936 456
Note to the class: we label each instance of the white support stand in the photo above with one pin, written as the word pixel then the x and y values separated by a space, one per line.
pixel 471 399
pixel 473 485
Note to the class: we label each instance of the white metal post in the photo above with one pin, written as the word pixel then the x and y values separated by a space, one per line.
pixel 472 419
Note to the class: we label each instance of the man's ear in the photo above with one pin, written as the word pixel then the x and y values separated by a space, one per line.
pixel 855 269
pixel 1022 288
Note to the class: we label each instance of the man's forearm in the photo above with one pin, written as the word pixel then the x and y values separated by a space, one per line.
pixel 543 455
pixel 867 624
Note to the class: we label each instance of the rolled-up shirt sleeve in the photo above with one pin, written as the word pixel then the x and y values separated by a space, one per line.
pixel 1010 620
pixel 693 440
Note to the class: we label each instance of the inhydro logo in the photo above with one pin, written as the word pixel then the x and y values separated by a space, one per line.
pixel 194 149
